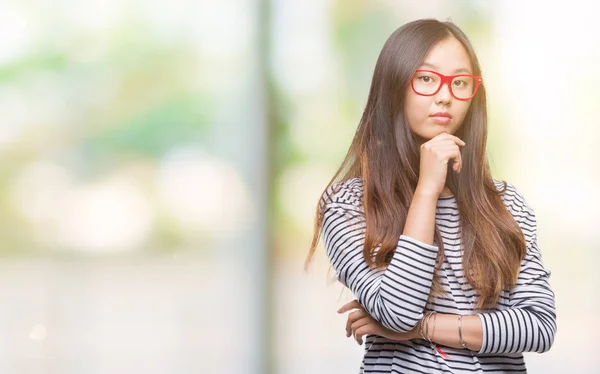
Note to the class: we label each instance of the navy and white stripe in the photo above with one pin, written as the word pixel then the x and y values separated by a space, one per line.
pixel 523 320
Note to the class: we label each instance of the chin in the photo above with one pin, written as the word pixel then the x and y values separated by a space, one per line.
pixel 432 133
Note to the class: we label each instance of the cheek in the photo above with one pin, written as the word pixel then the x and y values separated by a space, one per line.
pixel 462 110
pixel 416 109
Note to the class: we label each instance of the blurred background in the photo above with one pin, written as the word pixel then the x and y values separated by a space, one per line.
pixel 160 164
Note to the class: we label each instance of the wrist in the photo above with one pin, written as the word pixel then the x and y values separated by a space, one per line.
pixel 422 326
pixel 426 193
pixel 414 333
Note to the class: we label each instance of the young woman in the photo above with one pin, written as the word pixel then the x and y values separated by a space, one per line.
pixel 442 258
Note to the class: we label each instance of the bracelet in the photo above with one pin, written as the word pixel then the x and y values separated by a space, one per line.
pixel 433 329
pixel 423 322
pixel 421 325
pixel 428 337
pixel 427 326
pixel 421 328
pixel 462 342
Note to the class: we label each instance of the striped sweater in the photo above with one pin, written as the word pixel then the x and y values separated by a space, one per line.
pixel 523 320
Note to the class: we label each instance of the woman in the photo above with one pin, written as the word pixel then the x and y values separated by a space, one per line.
pixel 441 257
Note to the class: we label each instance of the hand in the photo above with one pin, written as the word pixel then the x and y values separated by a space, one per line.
pixel 360 323
pixel 435 155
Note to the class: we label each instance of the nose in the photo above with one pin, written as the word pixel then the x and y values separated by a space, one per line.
pixel 443 96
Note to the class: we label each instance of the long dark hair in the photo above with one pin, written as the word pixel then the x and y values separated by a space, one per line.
pixel 388 166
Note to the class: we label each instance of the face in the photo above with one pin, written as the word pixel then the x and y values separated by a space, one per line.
pixel 447 57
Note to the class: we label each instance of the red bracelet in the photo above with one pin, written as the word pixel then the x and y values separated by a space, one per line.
pixel 426 336
pixel 442 353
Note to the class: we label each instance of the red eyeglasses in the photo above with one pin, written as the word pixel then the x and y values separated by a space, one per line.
pixel 429 83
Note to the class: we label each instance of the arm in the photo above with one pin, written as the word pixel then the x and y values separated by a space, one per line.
pixel 446 331
pixel 397 295
pixel 443 331
pixel 528 325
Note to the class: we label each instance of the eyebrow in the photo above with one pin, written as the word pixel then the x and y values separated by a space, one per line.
pixel 460 70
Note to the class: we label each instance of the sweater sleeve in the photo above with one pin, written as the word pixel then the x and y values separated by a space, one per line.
pixel 529 324
pixel 395 296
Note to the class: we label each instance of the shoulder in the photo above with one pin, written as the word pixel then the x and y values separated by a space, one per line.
pixel 511 195
pixel 348 193
pixel 516 203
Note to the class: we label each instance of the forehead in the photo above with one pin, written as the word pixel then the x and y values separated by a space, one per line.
pixel 448 56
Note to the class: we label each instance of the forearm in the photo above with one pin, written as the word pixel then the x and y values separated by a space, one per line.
pixel 446 333
pixel 506 331
pixel 396 296
pixel 529 329
pixel 420 220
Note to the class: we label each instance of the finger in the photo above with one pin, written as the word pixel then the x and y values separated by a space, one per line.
pixel 353 317
pixel 444 142
pixel 454 138
pixel 442 151
pixel 458 161
pixel 360 323
pixel 356 315
pixel 447 152
pixel 452 154
pixel 362 331
pixel 354 304
pixel 445 146
pixel 358 339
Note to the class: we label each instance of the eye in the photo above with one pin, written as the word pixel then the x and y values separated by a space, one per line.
pixel 462 83
pixel 426 79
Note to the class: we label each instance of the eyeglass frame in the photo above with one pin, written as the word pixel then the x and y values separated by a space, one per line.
pixel 447 79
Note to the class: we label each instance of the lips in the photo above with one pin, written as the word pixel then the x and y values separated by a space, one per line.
pixel 441 118
pixel 441 114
